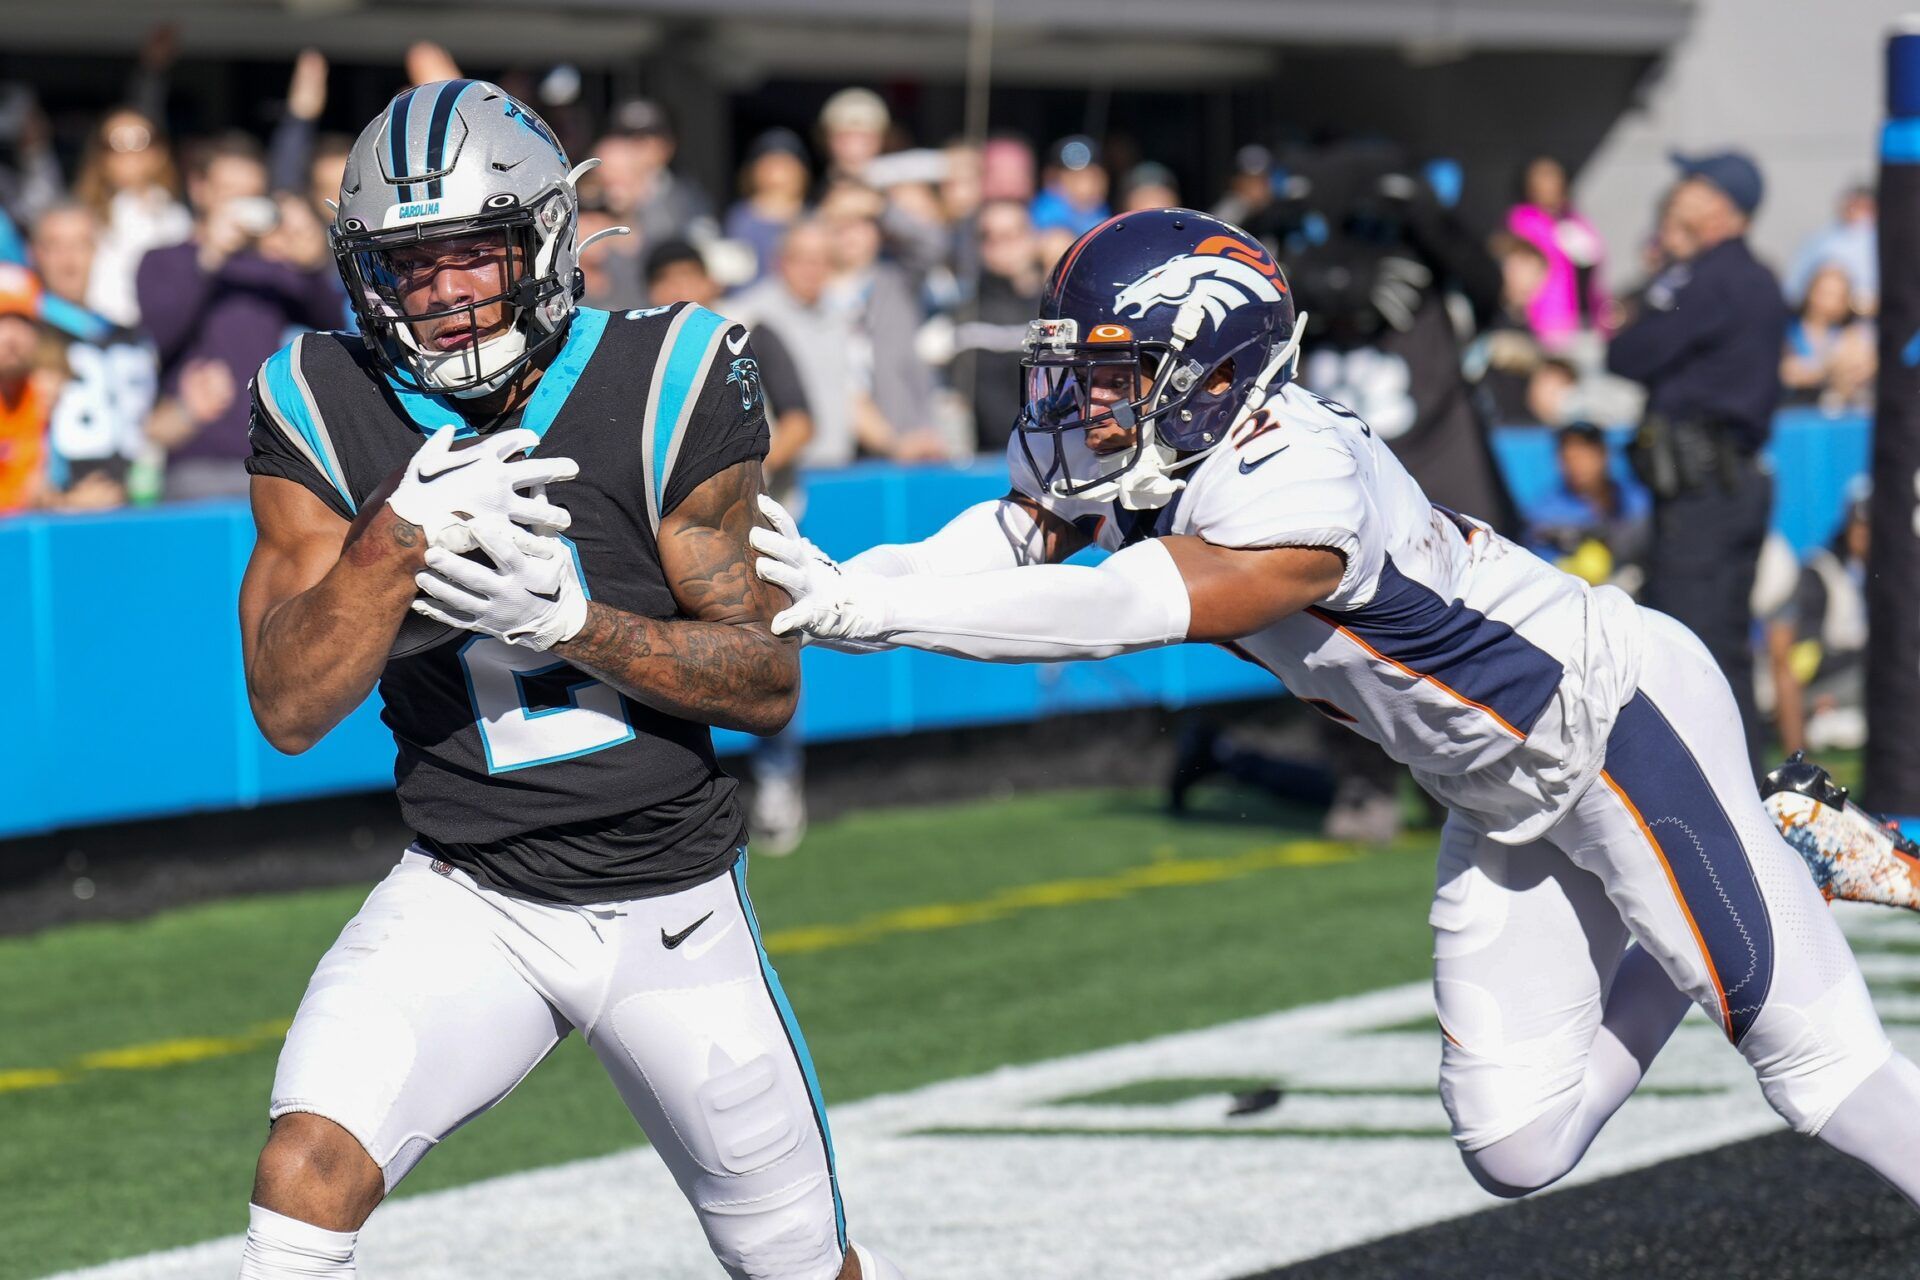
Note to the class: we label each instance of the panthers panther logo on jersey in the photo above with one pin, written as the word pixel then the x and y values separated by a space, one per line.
pixel 745 373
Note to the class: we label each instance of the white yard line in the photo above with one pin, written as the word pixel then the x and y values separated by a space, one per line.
pixel 1100 1207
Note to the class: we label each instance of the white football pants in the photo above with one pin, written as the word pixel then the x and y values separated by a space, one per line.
pixel 441 995
pixel 1670 847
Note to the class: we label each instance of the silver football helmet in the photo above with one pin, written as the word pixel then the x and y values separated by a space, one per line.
pixel 459 159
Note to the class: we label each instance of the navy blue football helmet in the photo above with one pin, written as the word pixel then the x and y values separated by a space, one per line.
pixel 1179 297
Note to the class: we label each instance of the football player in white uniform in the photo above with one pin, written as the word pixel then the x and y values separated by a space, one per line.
pixel 1606 858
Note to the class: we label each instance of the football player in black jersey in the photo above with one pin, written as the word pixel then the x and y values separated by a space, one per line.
pixel 549 664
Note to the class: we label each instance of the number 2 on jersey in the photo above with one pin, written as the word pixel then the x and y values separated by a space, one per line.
pixel 520 728
pixel 532 708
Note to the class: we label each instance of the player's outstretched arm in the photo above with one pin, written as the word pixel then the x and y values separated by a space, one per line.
pixel 1159 592
pixel 1003 534
pixel 319 607
pixel 721 664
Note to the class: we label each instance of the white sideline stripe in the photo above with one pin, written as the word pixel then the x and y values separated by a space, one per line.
pixel 1096 1208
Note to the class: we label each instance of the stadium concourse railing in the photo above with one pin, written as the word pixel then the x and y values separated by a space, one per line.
pixel 128 702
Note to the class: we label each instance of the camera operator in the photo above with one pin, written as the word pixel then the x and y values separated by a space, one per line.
pixel 221 303
pixel 1706 341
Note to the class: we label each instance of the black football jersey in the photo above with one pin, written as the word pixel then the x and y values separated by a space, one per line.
pixel 532 775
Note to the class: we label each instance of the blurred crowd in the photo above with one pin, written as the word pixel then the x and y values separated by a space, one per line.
pixel 143 280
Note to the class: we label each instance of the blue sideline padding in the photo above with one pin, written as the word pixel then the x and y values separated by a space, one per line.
pixel 133 702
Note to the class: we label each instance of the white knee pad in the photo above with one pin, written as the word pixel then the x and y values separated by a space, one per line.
pixel 718 1070
pixel 1490 1098
pixel 1809 1057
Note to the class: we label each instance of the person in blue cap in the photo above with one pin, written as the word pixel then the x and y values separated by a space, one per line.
pixel 1706 344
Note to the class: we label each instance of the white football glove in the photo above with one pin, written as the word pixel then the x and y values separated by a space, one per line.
pixel 830 605
pixel 445 487
pixel 530 596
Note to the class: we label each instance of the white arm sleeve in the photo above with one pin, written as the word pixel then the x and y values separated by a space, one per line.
pixel 984 537
pixel 1134 599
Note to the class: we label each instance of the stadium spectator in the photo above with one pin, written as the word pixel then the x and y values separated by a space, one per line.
pixel 30 181
pixel 773 195
pixel 1817 642
pixel 1505 357
pixel 676 272
pixel 791 303
pixel 1573 297
pixel 913 222
pixel 883 310
pixel 1706 344
pixel 610 264
pixel 1073 197
pixel 1006 169
pixel 227 296
pixel 1250 190
pixel 853 129
pixel 290 153
pixel 128 178
pixel 989 328
pixel 23 393
pixel 1830 357
pixel 636 183
pixel 1149 185
pixel 1594 524
pixel 1551 391
pixel 108 375
pixel 1852 240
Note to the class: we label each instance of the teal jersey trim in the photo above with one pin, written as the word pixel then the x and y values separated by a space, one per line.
pixel 583 339
pixel 679 390
pixel 283 389
pixel 796 1040
pixel 428 413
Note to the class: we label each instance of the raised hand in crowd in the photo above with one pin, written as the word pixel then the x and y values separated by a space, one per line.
pixel 307 91
pixel 427 62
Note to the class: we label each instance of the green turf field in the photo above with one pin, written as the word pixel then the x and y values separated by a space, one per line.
pixel 916 944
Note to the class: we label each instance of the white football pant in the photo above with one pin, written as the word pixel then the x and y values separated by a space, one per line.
pixel 441 995
pixel 1547 1030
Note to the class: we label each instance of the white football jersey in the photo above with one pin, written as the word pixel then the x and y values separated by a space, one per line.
pixel 1492 675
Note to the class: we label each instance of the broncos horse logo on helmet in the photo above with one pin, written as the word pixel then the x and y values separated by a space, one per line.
pixel 1197 306
pixel 1220 273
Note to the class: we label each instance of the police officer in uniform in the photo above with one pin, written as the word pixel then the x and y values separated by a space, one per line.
pixel 580 859
pixel 1706 344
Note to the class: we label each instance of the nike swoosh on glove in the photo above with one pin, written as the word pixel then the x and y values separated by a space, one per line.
pixel 824 609
pixel 531 595
pixel 445 488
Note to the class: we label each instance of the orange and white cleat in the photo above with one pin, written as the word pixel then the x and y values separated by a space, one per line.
pixel 1851 854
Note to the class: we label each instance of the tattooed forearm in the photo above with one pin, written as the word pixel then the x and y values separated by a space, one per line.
pixel 377 533
pixel 720 664
pixel 711 672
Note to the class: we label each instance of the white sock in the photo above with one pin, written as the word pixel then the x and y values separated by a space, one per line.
pixel 1879 1125
pixel 875 1267
pixel 282 1248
